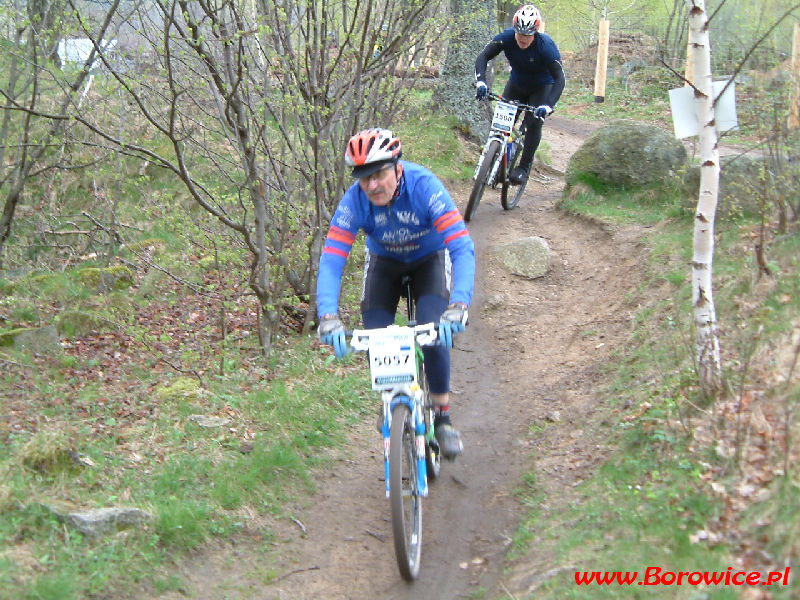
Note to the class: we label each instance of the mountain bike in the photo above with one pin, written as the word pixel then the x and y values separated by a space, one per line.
pixel 410 451
pixel 500 155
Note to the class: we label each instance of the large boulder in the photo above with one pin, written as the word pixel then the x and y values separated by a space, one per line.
pixel 627 153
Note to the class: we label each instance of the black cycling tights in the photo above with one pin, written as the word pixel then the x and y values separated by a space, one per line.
pixel 533 135
pixel 382 292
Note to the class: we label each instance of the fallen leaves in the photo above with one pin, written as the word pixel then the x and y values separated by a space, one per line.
pixel 748 433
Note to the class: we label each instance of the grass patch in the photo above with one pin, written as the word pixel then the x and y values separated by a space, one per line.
pixel 651 503
pixel 645 98
pixel 643 206
pixel 637 512
pixel 432 140
pixel 195 481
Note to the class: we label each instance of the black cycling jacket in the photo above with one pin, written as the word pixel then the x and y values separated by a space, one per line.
pixel 534 68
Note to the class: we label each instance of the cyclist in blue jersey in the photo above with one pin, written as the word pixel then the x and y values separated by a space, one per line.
pixel 537 76
pixel 414 228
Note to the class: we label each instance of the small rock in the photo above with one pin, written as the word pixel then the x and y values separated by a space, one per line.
pixel 208 421
pixel 494 301
pixel 101 521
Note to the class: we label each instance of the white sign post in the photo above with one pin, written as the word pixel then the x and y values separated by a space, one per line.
pixel 684 116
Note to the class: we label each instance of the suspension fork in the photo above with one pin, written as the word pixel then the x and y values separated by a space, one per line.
pixel 492 136
pixel 499 160
pixel 414 404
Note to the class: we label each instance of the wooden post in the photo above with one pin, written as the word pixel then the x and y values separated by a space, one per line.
pixel 688 73
pixel 794 107
pixel 602 63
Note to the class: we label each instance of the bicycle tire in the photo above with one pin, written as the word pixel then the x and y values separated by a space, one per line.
pixel 482 179
pixel 405 500
pixel 433 459
pixel 510 200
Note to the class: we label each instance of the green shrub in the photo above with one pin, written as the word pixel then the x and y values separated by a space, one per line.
pixel 77 323
pixel 152 245
pixel 181 389
pixel 113 278
pixel 6 287
pixel 48 452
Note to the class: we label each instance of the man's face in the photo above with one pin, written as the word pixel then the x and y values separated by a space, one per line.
pixel 523 41
pixel 380 186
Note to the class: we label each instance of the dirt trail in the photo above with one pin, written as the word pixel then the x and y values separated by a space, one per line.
pixel 530 356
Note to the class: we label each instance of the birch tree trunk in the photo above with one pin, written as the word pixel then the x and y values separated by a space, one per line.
pixel 706 336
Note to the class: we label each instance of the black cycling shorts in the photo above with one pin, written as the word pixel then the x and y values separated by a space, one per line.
pixel 381 292
pixel 382 285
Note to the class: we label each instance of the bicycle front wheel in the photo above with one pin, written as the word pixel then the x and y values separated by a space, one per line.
pixel 482 179
pixel 404 495
pixel 510 194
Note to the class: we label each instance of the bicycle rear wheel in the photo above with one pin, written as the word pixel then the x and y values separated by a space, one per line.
pixel 482 179
pixel 404 494
pixel 510 194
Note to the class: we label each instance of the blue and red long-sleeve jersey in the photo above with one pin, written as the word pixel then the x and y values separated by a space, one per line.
pixel 422 219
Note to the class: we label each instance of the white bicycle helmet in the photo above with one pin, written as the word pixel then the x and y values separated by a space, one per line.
pixel 370 150
pixel 527 20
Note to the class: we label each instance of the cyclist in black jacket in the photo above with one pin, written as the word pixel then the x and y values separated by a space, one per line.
pixel 537 76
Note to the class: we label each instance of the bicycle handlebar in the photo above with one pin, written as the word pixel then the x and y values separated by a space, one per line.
pixel 425 335
pixel 519 105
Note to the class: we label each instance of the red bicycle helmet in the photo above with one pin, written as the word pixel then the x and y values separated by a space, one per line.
pixel 370 150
